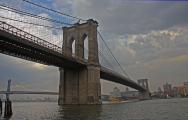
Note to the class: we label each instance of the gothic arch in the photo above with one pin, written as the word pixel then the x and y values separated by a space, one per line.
pixel 85 46
pixel 72 46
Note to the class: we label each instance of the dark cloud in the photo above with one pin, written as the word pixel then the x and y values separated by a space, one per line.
pixel 126 17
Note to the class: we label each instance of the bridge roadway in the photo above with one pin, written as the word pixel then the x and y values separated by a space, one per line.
pixel 18 43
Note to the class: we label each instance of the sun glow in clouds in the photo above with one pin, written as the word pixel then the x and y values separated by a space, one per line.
pixel 39 66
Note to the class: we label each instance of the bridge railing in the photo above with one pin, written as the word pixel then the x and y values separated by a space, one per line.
pixel 27 36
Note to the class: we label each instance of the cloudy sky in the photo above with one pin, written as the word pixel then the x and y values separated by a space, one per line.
pixel 149 38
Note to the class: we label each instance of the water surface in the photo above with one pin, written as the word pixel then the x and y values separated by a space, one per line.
pixel 163 109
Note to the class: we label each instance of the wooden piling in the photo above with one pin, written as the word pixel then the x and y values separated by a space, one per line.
pixel 8 109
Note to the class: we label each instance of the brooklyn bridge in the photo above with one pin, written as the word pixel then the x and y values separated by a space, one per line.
pixel 80 71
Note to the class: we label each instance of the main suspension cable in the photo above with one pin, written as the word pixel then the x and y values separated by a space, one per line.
pixel 61 13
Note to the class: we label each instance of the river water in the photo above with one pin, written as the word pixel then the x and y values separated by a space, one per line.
pixel 161 109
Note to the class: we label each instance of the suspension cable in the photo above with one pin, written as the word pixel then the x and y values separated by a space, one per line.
pixel 32 15
pixel 56 21
pixel 51 27
pixel 61 13
pixel 113 55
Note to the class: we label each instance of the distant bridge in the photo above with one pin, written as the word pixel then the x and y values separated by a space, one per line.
pixel 29 92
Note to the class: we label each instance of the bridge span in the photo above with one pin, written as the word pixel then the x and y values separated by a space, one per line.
pixel 18 43
pixel 79 78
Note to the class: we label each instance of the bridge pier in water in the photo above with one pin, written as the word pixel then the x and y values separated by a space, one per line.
pixel 81 85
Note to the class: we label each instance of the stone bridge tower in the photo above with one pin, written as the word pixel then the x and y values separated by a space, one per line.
pixel 144 83
pixel 82 85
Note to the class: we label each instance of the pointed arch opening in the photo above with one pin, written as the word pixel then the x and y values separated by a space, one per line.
pixel 86 50
pixel 73 50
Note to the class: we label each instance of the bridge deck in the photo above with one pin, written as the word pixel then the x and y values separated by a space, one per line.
pixel 18 43
pixel 110 75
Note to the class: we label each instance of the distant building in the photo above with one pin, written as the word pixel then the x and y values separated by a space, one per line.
pixel 116 92
pixel 159 92
pixel 130 95
pixel 126 95
pixel 181 91
pixel 185 83
pixel 115 95
pixel 168 89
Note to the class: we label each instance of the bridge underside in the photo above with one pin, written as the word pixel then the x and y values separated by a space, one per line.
pixel 109 75
pixel 24 49
pixel 21 48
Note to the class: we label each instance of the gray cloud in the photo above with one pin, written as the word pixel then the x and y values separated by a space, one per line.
pixel 26 76
pixel 126 17
pixel 149 39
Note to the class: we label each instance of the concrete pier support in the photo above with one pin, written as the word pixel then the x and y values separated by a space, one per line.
pixel 8 109
pixel 80 86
